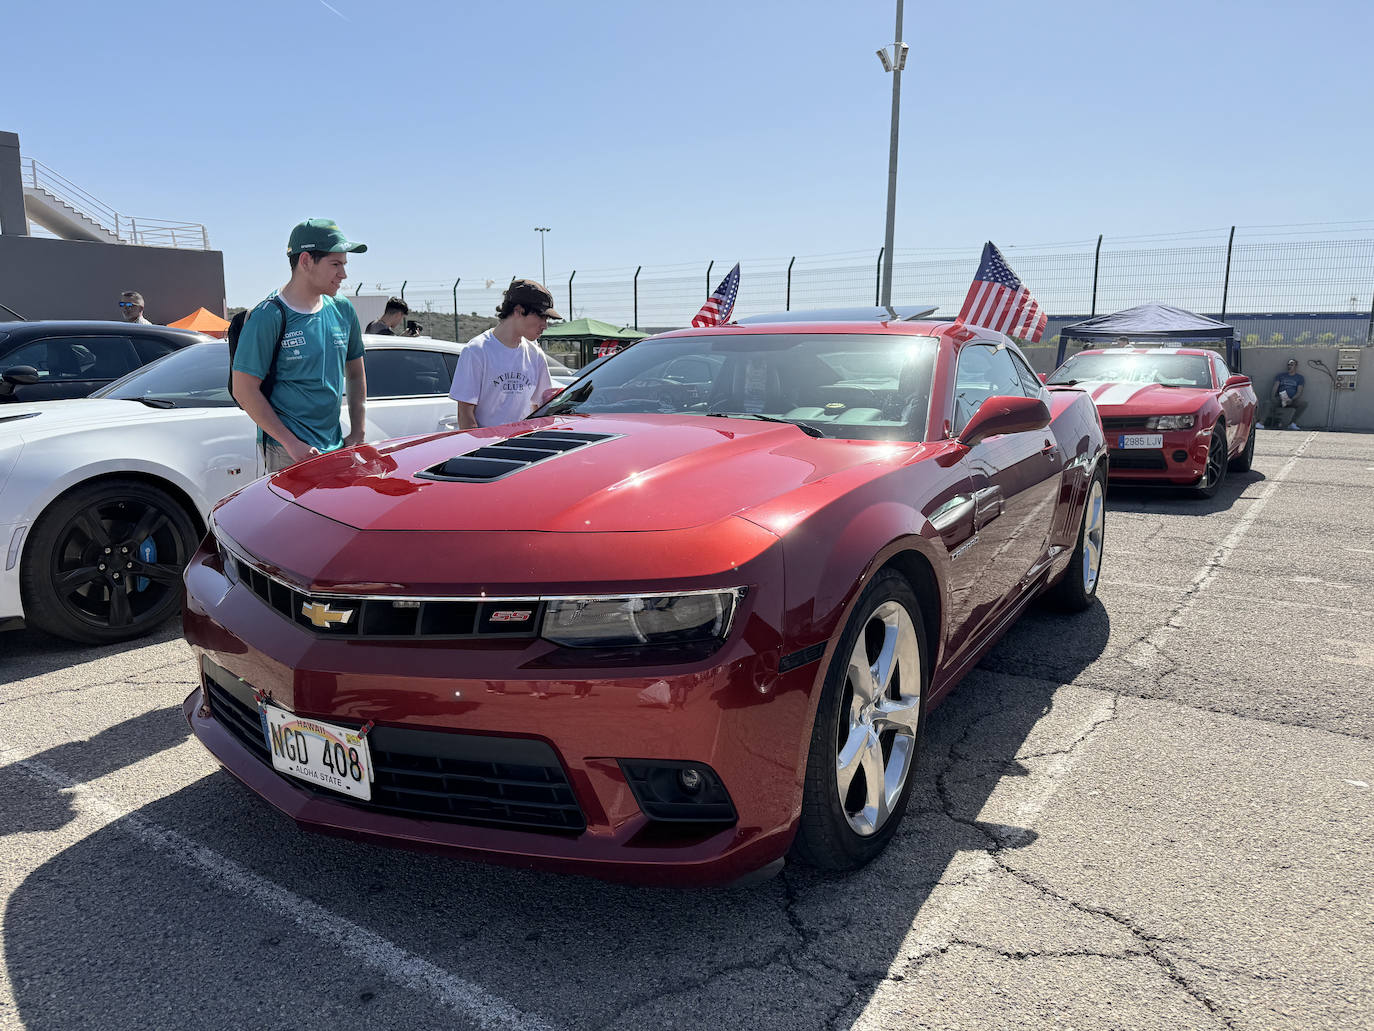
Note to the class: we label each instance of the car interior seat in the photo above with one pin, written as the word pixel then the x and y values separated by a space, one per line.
pixel 748 383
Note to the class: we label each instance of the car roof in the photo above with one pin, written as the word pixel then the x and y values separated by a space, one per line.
pixel 382 341
pixel 95 326
pixel 1146 350
pixel 923 327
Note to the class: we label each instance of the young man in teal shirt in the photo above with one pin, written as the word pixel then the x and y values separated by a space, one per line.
pixel 321 352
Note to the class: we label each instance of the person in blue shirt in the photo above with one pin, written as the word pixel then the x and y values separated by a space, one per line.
pixel 1285 399
pixel 321 352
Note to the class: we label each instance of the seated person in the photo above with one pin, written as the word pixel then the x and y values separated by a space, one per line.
pixel 1285 398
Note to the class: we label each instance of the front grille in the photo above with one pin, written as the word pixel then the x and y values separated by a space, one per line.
pixel 1137 459
pixel 351 618
pixel 1123 422
pixel 430 774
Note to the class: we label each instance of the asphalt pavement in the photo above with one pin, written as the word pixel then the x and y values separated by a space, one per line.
pixel 1154 814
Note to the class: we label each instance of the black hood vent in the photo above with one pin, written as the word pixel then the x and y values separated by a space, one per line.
pixel 496 461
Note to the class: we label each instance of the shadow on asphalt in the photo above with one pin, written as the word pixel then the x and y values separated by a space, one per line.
pixel 32 653
pixel 30 804
pixel 1180 500
pixel 110 914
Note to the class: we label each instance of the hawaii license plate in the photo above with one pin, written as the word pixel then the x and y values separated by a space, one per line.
pixel 1135 440
pixel 333 757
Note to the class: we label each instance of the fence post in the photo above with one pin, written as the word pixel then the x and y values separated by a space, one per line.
pixel 455 308
pixel 637 296
pixel 204 238
pixel 403 288
pixel 1097 261
pixel 1226 283
pixel 1369 333
pixel 878 286
pixel 788 306
pixel 570 304
pixel 133 230
pixel 708 278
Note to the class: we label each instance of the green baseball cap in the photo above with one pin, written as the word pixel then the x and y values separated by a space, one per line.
pixel 321 236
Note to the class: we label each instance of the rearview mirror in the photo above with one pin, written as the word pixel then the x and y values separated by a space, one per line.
pixel 1236 381
pixel 1005 415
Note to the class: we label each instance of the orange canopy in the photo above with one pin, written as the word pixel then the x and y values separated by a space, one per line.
pixel 202 320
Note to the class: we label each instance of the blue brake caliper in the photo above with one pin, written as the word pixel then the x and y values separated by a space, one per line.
pixel 147 554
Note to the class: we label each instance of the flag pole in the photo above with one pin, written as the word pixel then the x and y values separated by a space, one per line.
pixel 892 161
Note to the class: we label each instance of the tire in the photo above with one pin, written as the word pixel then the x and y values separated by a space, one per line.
pixel 1242 462
pixel 1077 588
pixel 104 562
pixel 866 729
pixel 1214 474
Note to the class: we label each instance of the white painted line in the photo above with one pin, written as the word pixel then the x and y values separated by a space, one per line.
pixel 396 964
pixel 933 928
pixel 1143 653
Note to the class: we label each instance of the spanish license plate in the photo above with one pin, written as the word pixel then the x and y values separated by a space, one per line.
pixel 333 757
pixel 1135 440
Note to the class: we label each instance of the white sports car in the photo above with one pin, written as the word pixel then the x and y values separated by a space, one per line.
pixel 103 499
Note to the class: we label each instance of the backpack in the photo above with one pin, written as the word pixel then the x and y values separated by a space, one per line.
pixel 236 329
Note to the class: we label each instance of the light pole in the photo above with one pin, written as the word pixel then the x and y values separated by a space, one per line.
pixel 894 63
pixel 541 230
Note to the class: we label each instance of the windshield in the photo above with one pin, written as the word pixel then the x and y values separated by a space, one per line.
pixel 194 377
pixel 1173 370
pixel 865 386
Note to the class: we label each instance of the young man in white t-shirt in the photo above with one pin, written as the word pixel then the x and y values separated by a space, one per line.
pixel 502 374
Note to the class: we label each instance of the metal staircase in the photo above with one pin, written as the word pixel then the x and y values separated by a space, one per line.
pixel 69 212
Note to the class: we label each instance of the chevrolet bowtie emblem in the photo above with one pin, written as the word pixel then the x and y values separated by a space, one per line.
pixel 323 616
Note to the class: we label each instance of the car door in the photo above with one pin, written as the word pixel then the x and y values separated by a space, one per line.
pixel 407 392
pixel 71 365
pixel 1014 481
pixel 1233 407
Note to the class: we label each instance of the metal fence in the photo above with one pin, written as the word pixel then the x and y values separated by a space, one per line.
pixel 1256 277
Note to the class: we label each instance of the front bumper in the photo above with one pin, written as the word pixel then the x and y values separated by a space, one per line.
pixel 732 713
pixel 1181 460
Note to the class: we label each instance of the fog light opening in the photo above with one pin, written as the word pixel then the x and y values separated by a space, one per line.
pixel 674 791
pixel 1180 456
pixel 691 780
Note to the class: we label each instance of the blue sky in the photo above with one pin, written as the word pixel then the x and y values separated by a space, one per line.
pixel 441 133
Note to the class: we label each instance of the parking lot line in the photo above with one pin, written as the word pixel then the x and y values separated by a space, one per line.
pixel 1143 653
pixel 403 968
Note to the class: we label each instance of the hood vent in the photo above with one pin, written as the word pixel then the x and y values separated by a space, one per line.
pixel 16 418
pixel 496 461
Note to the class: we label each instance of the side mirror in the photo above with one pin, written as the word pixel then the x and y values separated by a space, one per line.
pixel 21 376
pixel 1236 381
pixel 1005 415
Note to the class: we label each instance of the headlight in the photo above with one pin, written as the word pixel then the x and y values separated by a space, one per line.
pixel 1170 422
pixel 640 620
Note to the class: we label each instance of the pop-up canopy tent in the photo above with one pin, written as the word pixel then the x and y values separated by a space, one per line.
pixel 202 320
pixel 1152 324
pixel 587 334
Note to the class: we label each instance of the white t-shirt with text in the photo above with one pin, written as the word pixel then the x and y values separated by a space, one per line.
pixel 503 382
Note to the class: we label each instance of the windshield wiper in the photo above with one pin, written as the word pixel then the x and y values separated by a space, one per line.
pixel 810 431
pixel 151 402
pixel 566 402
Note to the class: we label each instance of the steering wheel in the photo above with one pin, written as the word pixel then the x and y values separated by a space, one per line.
pixel 663 391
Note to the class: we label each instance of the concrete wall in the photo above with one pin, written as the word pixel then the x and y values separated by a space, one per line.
pixel 1327 408
pixel 71 279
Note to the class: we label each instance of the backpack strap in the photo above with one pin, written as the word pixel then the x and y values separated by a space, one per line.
pixel 276 348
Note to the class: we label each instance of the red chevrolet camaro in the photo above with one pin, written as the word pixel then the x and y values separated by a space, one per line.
pixel 1172 416
pixel 688 617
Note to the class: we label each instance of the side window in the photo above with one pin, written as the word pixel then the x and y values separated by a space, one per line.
pixel 405 373
pixel 150 349
pixel 77 358
pixel 1219 369
pixel 984 371
pixel 1030 382
pixel 450 365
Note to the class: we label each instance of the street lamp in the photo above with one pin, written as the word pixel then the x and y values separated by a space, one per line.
pixel 892 62
pixel 541 230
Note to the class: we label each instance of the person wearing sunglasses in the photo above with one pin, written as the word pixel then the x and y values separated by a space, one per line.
pixel 131 307
pixel 502 374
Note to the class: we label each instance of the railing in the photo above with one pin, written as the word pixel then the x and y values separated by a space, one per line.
pixel 148 232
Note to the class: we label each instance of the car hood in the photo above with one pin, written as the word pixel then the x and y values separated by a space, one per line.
pixel 1144 398
pixel 648 472
pixel 35 419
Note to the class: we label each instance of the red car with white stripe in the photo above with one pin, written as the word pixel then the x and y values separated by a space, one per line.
pixel 1172 415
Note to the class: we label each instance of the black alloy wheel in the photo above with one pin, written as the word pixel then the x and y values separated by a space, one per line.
pixel 867 734
pixel 1214 474
pixel 1242 462
pixel 104 562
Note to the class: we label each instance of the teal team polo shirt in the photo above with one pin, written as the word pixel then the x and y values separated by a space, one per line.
pixel 309 387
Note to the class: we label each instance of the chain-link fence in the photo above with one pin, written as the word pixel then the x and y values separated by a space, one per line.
pixel 1267 285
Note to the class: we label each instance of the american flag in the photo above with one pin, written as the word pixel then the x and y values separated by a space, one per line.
pixel 999 300
pixel 716 311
